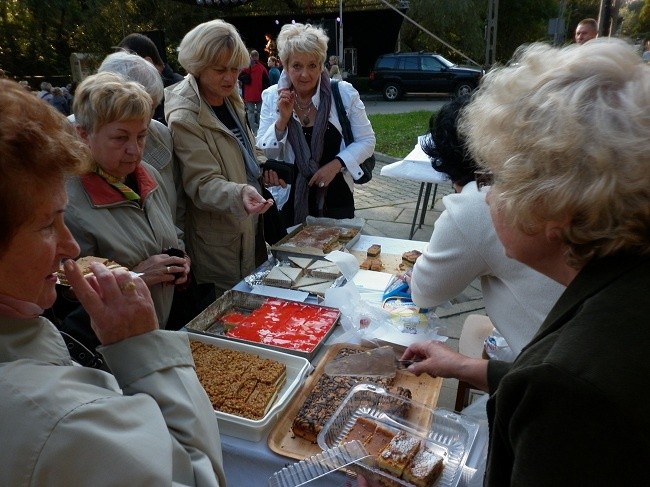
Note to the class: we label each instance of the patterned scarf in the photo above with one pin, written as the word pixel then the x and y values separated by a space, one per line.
pixel 307 158
pixel 127 192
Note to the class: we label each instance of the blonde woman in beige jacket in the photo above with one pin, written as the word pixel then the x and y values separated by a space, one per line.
pixel 218 159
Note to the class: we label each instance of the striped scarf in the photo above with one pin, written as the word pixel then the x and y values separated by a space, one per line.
pixel 127 192
pixel 308 158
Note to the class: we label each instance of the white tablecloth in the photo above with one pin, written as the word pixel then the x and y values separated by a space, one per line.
pixel 416 166
pixel 250 464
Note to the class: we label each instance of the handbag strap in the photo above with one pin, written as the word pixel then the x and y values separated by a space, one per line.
pixel 343 117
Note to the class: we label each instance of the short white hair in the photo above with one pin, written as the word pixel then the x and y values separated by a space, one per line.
pixel 566 134
pixel 304 39
pixel 135 68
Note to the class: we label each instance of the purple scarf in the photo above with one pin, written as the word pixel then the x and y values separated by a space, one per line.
pixel 307 158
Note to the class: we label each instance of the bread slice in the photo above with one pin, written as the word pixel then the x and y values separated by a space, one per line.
pixel 291 272
pixel 317 288
pixel 302 262
pixel 277 278
pixel 398 453
pixel 374 250
pixel 409 258
pixel 425 467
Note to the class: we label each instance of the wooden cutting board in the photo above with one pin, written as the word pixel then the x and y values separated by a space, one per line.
pixel 425 389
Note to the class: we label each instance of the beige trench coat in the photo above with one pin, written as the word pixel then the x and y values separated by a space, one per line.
pixel 219 233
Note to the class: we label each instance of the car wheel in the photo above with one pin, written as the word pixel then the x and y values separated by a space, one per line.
pixel 392 92
pixel 464 88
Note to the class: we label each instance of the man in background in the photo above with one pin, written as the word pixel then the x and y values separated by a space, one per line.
pixel 586 30
pixel 144 47
pixel 274 71
pixel 252 91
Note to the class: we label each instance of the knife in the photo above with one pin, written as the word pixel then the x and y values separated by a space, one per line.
pixel 378 362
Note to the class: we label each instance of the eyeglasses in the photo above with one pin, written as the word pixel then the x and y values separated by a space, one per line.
pixel 483 178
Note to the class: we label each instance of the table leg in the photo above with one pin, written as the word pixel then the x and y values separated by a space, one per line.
pixel 433 201
pixel 415 215
pixel 426 202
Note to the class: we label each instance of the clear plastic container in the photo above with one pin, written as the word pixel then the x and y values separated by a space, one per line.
pixel 445 432
pixel 319 466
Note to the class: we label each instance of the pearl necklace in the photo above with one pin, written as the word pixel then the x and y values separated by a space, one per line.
pixel 306 106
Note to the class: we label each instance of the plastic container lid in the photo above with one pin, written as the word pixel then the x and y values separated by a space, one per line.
pixel 319 465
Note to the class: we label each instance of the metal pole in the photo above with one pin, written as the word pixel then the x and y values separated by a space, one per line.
pixel 340 46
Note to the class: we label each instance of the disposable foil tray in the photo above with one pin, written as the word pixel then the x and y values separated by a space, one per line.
pixel 287 247
pixel 209 322
pixel 447 433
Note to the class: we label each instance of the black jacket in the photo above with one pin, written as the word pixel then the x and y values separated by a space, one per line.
pixel 573 408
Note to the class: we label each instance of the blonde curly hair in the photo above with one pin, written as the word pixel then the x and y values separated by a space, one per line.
pixel 565 133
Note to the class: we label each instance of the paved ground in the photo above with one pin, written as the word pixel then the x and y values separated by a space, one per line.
pixel 388 205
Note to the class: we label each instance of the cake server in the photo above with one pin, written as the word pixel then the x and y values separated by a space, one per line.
pixel 378 362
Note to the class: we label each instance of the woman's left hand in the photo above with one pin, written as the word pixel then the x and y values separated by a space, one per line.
pixel 162 268
pixel 326 174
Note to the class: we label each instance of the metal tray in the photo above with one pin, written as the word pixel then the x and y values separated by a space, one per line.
pixel 447 433
pixel 282 251
pixel 208 322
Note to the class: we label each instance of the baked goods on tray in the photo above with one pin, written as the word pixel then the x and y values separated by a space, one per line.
pixel 424 469
pixel 329 392
pixel 409 258
pixel 320 237
pixel 237 382
pixel 399 454
pixel 374 250
pixel 282 323
pixel 372 435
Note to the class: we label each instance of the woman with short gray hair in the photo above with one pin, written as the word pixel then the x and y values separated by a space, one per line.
pixel 565 134
pixel 299 124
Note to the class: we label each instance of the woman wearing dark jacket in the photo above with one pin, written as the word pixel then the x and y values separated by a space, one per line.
pixel 565 134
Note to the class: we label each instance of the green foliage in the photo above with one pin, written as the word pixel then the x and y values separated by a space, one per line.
pixel 458 23
pixel 396 132
pixel 631 24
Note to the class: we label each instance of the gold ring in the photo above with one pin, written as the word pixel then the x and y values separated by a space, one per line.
pixel 129 287
pixel 321 184
pixel 167 269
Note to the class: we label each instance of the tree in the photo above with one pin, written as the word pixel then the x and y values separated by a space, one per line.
pixel 458 23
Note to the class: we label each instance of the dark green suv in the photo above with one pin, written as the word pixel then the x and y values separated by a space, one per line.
pixel 421 72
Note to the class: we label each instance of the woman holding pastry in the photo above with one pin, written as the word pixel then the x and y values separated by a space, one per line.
pixel 565 134
pixel 119 210
pixel 150 423
pixel 300 126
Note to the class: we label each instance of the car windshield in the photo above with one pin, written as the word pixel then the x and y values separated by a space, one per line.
pixel 444 61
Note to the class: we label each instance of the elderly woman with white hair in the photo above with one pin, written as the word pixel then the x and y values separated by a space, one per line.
pixel 565 134
pixel 299 124
pixel 219 162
